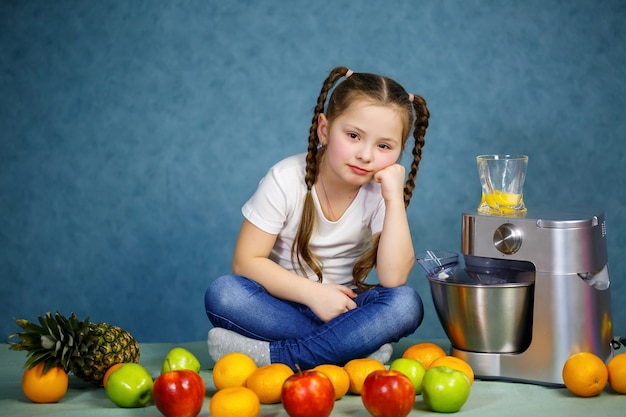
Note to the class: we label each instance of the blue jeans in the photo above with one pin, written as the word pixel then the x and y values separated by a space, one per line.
pixel 297 336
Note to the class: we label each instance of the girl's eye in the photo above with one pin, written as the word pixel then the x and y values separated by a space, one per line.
pixel 384 146
pixel 353 135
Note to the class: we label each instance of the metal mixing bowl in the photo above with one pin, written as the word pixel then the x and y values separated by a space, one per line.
pixel 494 318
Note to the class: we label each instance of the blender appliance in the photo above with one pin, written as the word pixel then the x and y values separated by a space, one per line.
pixel 569 303
pixel 529 291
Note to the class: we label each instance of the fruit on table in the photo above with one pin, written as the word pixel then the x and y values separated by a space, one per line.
pixel 455 363
pixel 585 374
pixel 44 385
pixel 267 382
pixel 338 376
pixel 83 348
pixel 308 394
pixel 388 393
pixel 617 373
pixel 180 358
pixel 235 401
pixel 108 373
pixel 130 386
pixel 413 369
pixel 444 389
pixel 179 393
pixel 233 370
pixel 424 352
pixel 358 369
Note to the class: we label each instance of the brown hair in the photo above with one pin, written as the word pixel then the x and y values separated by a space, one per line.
pixel 377 89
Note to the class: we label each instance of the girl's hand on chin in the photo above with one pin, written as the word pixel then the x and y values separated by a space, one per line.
pixel 391 180
pixel 331 300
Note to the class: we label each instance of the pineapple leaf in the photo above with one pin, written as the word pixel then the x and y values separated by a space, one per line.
pixel 25 324
pixel 26 341
pixel 38 356
pixel 42 320
pixel 47 342
pixel 47 366
pixel 64 354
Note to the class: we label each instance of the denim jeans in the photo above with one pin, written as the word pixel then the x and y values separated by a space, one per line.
pixel 297 336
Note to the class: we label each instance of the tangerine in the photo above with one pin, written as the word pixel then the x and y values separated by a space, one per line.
pixel 585 374
pixel 233 370
pixel 358 369
pixel 40 387
pixel 456 364
pixel 617 373
pixel 338 376
pixel 267 382
pixel 235 402
pixel 425 352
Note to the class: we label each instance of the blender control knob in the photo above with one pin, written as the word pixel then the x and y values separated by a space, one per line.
pixel 507 239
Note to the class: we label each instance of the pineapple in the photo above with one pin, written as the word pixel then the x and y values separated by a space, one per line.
pixel 85 349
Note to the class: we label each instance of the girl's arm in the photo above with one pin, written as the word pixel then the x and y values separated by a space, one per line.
pixel 395 257
pixel 251 260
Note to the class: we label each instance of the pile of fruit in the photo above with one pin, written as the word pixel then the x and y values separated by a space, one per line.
pixel 586 375
pixel 443 381
pixel 59 345
pixel 178 391
pixel 108 356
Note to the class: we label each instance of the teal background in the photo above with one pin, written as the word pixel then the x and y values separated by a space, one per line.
pixel 131 132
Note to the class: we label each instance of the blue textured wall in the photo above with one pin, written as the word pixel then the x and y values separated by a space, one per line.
pixel 131 132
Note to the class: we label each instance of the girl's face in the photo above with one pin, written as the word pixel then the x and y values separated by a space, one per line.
pixel 361 141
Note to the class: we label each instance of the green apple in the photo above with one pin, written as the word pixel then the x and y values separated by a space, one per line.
pixel 130 386
pixel 444 389
pixel 178 359
pixel 411 368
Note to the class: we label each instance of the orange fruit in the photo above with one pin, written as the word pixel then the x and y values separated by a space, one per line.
pixel 455 363
pixel 235 402
pixel 109 371
pixel 267 382
pixel 425 352
pixel 585 374
pixel 233 370
pixel 617 373
pixel 338 376
pixel 359 369
pixel 44 388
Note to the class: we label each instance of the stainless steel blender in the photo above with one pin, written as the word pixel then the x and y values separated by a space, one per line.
pixel 570 303
pixel 532 287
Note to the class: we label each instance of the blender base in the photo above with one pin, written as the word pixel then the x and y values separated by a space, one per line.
pixel 511 367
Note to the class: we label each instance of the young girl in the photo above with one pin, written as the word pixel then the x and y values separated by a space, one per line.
pixel 314 229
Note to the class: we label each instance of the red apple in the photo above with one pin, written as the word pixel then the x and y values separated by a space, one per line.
pixel 388 393
pixel 179 393
pixel 308 394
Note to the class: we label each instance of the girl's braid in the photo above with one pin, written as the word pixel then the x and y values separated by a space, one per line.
pixel 300 248
pixel 419 131
pixel 311 157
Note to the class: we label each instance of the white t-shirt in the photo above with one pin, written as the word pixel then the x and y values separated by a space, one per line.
pixel 276 208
